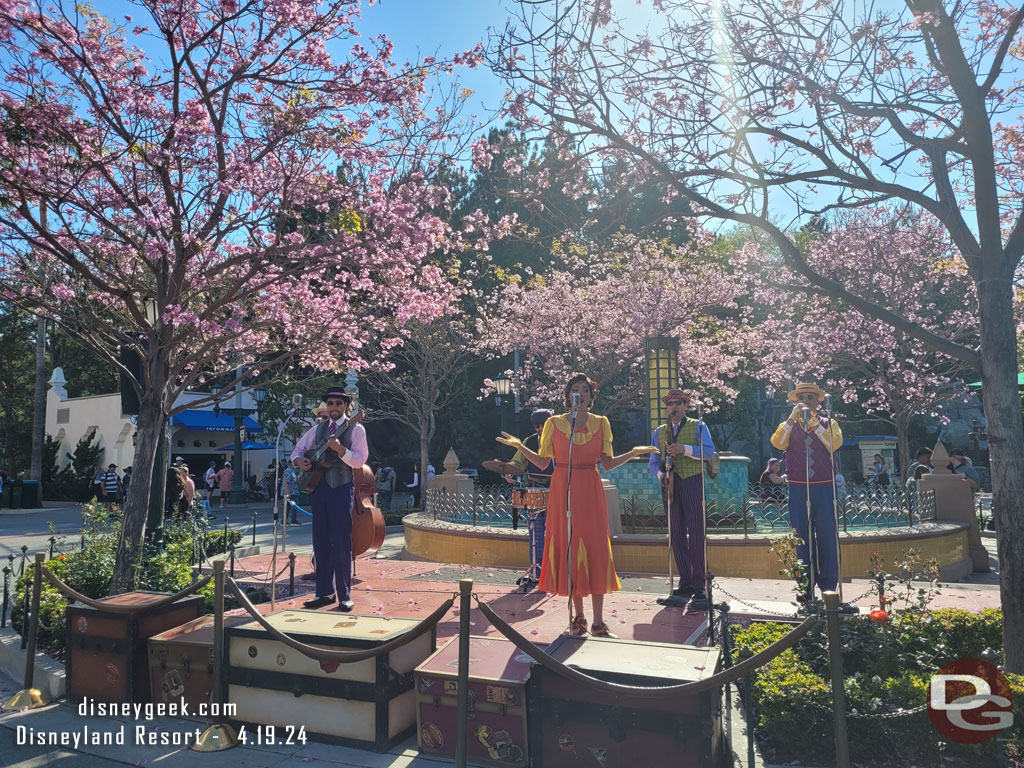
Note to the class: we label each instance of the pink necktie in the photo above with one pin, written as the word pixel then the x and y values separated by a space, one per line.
pixel 333 428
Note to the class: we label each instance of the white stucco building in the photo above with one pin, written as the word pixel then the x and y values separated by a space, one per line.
pixel 197 434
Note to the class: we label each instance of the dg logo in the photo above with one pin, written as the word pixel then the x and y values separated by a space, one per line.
pixel 969 701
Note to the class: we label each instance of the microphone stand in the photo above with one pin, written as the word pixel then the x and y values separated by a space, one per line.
pixel 703 502
pixel 835 499
pixel 568 509
pixel 670 471
pixel 811 549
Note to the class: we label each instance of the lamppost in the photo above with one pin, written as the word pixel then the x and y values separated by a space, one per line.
pixel 502 389
pixel 238 413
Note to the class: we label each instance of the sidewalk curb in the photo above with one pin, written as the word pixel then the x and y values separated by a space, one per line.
pixel 49 677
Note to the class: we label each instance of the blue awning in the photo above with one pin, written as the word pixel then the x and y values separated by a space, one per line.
pixel 208 421
pixel 248 445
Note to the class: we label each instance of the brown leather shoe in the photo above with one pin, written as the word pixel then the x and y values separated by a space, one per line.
pixel 579 626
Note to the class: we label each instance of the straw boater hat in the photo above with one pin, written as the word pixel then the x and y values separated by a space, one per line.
pixel 806 387
pixel 321 409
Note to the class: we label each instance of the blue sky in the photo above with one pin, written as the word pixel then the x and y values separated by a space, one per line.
pixel 420 28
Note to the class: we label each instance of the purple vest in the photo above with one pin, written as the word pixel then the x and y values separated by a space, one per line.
pixel 796 464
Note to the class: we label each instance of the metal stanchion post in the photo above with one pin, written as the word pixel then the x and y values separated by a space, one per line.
pixel 24 558
pixel 291 574
pixel 7 596
pixel 748 706
pixel 232 555
pixel 835 662
pixel 53 541
pixel 709 578
pixel 28 696
pixel 254 527
pixel 218 735
pixel 465 591
pixel 726 663
pixel 26 616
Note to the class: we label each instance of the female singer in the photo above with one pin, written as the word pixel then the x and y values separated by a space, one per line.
pixel 593 572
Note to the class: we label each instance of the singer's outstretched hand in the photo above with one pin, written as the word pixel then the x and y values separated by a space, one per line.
pixel 510 440
pixel 796 414
pixel 642 450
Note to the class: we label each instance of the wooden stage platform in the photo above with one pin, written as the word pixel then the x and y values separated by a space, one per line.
pixel 412 589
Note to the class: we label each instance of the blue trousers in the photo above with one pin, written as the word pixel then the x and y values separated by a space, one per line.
pixel 688 531
pixel 332 539
pixel 825 541
pixel 536 533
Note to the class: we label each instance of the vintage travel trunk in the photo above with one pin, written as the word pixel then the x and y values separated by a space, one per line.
pixel 498 672
pixel 181 660
pixel 577 725
pixel 107 658
pixel 369 704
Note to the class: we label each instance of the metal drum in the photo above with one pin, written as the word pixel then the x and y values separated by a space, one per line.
pixel 535 499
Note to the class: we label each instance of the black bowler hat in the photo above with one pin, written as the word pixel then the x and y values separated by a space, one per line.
pixel 336 391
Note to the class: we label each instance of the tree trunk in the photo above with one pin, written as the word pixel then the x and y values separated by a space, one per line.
pixel 39 411
pixel 136 507
pixel 426 435
pixel 1006 456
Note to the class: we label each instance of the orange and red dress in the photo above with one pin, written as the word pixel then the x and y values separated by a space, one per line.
pixel 593 571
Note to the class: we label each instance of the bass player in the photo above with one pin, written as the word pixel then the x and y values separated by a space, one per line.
pixel 332 498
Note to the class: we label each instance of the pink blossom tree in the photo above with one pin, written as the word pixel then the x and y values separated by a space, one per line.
pixel 766 113
pixel 592 311
pixel 213 158
pixel 903 262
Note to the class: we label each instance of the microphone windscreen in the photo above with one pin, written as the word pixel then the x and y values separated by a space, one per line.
pixel 575 398
pixel 297 400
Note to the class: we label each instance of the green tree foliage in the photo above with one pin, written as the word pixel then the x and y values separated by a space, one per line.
pixel 17 368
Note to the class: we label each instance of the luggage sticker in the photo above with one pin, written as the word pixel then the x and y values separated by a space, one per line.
pixel 498 744
pixel 173 686
pixel 426 683
pixel 432 736
pixel 600 755
pixel 83 623
pixel 253 651
pixel 112 673
pixel 454 663
pixel 567 743
pixel 281 659
pixel 497 694
pixel 344 624
pixel 451 686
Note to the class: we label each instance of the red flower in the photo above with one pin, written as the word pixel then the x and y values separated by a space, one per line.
pixel 879 616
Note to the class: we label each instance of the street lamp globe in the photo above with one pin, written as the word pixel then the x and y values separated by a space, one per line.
pixel 503 386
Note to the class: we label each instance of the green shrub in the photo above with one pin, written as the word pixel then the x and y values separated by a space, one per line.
pixel 887 668
pixel 89 570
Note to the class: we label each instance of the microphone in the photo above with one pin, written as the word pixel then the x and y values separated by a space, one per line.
pixel 805 413
pixel 297 400
pixel 575 400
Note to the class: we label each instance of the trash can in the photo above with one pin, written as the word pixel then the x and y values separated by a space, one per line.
pixel 31 492
pixel 16 494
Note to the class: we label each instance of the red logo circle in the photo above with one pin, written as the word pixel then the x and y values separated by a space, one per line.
pixel 969 701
